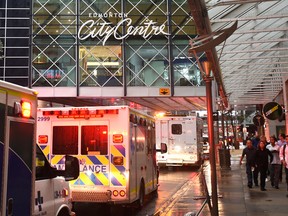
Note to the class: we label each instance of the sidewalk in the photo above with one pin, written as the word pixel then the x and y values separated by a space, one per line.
pixel 238 200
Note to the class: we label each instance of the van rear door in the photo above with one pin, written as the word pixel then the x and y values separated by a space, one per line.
pixel 177 136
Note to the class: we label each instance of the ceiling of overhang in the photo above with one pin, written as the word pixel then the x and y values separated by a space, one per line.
pixel 148 104
pixel 254 60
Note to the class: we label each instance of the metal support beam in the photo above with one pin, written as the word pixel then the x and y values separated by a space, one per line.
pixel 208 82
pixel 257 41
pixel 255 50
pixel 257 57
pixel 270 16
pixel 232 2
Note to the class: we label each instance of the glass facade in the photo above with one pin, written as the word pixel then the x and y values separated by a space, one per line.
pixel 15 22
pixel 105 43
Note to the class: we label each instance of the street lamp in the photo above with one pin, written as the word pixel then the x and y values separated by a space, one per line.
pixel 205 67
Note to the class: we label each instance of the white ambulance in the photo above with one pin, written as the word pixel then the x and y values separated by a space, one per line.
pixel 20 192
pixel 114 144
pixel 183 137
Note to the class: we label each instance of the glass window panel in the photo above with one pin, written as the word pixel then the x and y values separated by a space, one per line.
pixel 19 4
pixel 18 13
pixel 67 144
pixel 147 63
pixel 18 33
pixel 18 22
pixel 17 52
pixel 54 65
pixel 16 71
pixel 176 129
pixel 101 65
pixel 186 71
pixel 22 81
pixel 42 166
pixel 182 21
pixel 94 140
pixel 18 42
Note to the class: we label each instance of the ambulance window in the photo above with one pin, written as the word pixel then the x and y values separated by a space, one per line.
pixel 94 140
pixel 176 129
pixel 65 140
pixel 42 165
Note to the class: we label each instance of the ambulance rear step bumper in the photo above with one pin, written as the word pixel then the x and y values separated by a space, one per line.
pixel 91 196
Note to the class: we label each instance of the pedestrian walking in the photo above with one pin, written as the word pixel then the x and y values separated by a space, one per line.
pixel 255 141
pixel 281 140
pixel 251 170
pixel 261 159
pixel 276 162
pixel 280 143
pixel 284 158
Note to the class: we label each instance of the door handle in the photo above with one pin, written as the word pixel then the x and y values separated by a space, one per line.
pixel 10 207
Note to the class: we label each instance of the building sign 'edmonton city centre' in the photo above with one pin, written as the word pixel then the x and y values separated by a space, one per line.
pixel 105 29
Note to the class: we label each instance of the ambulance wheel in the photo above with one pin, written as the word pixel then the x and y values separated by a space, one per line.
pixel 141 195
pixel 199 163
pixel 64 212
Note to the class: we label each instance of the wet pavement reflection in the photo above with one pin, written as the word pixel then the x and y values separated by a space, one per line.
pixel 175 196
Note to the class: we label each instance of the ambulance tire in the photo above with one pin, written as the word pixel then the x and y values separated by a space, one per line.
pixel 64 212
pixel 141 195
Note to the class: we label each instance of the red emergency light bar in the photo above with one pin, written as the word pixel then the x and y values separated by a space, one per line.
pixel 80 113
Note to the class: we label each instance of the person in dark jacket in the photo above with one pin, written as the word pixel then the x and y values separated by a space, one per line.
pixel 261 159
pixel 250 151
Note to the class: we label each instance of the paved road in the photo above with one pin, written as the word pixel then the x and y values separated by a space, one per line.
pixel 173 183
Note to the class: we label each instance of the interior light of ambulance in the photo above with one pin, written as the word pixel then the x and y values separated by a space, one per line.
pixel 26 109
pixel 117 138
pixel 42 139
pixel 115 193
pixel 118 160
pixel 122 193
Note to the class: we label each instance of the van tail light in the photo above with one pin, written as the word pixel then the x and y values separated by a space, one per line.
pixel 26 109
pixel 42 139
pixel 122 193
pixel 115 193
pixel 117 138
pixel 118 160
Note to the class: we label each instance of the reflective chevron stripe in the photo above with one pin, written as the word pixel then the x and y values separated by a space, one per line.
pixel 118 177
pixel 46 150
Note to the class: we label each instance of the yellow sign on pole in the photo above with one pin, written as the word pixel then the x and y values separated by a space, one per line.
pixel 164 91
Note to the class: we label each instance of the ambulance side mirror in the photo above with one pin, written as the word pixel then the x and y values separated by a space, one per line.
pixel 71 168
pixel 163 148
